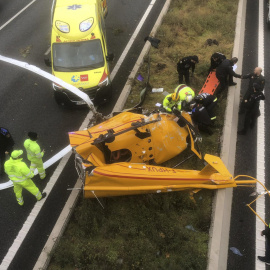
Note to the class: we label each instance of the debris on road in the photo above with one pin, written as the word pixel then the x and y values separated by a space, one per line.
pixel 24 52
pixel 236 251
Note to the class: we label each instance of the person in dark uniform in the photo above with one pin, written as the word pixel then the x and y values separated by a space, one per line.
pixel 183 67
pixel 252 108
pixel 209 102
pixel 200 117
pixel 266 258
pixel 216 59
pixel 255 77
pixel 224 70
pixel 6 146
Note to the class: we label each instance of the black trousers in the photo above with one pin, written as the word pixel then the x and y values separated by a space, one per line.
pixel 230 79
pixel 184 73
pixel 205 128
pixel 210 109
pixel 250 119
pixel 223 84
pixel 242 106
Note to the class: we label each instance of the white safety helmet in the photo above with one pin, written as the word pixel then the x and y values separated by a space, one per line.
pixel 188 98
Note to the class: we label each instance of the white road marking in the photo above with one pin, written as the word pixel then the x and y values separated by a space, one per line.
pixel 132 39
pixel 260 205
pixel 17 14
pixel 36 209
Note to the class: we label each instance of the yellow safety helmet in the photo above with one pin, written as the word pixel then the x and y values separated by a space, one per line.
pixel 175 96
pixel 16 153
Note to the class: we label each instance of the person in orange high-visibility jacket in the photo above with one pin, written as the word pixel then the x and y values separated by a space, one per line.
pixel 21 175
pixel 34 154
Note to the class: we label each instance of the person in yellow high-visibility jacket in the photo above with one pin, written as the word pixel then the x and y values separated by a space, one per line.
pixel 34 154
pixel 170 101
pixel 21 175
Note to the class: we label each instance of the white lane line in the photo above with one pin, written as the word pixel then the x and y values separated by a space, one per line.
pixel 32 216
pixel 132 39
pixel 260 206
pixel 16 15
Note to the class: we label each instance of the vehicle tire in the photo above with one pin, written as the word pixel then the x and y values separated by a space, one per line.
pixel 62 100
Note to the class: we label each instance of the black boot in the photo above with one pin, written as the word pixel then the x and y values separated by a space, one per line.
pixel 44 194
pixel 262 259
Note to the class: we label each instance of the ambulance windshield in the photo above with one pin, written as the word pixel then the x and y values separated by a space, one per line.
pixel 78 56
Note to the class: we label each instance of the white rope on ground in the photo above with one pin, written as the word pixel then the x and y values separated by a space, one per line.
pixel 6 185
pixel 52 78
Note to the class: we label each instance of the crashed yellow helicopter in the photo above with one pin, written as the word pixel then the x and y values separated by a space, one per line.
pixel 120 155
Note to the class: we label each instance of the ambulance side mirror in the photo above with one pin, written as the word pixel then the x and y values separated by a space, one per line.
pixel 47 58
pixel 110 57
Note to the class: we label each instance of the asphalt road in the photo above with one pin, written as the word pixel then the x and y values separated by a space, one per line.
pixel 27 104
pixel 242 229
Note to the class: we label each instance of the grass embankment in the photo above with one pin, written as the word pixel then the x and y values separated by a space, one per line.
pixel 149 231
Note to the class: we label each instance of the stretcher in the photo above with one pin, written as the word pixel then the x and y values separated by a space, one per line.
pixel 210 84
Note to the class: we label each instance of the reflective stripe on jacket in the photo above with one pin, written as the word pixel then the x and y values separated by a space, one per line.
pixel 184 90
pixel 33 150
pixel 17 170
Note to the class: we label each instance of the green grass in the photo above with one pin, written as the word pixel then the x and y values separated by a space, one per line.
pixel 137 232
pixel 149 231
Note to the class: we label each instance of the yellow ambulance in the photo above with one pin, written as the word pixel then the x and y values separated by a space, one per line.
pixel 78 53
